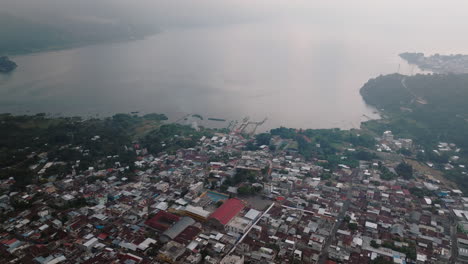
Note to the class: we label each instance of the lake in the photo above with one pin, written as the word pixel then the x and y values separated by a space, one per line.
pixel 295 73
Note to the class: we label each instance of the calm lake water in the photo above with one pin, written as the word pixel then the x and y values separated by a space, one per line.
pixel 294 73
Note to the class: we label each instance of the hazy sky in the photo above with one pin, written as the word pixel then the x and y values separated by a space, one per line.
pixel 451 13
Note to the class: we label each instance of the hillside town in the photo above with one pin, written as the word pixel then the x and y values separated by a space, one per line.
pixel 223 202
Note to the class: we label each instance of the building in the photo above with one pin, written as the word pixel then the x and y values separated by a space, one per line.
pixel 227 211
pixel 176 229
pixel 51 259
pixel 198 213
pixel 387 136
pixel 232 259
pixel 90 243
pixel 162 221
pixel 196 188
pixel 171 252
pixel 406 143
pixel 252 214
pixel 237 225
pixel 463 254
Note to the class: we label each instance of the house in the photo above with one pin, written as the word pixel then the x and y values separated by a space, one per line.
pixel 238 225
pixel 171 252
pixel 232 259
pixel 89 243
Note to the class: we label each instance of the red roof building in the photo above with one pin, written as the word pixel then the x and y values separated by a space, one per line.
pixel 228 210
pixel 187 235
pixel 162 221
pixel 103 236
pixel 280 198
pixel 7 242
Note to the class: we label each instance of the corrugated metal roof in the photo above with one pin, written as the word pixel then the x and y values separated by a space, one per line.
pixel 228 210
pixel 162 220
pixel 197 210
pixel 180 226
pixel 252 214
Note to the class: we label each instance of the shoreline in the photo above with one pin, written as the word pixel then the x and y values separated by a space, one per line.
pixel 181 119
pixel 80 45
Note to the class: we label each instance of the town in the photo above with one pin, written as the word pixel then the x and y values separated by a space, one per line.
pixel 456 63
pixel 280 197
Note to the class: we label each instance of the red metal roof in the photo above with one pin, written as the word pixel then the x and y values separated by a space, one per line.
pixel 8 242
pixel 103 236
pixel 187 235
pixel 162 220
pixel 228 210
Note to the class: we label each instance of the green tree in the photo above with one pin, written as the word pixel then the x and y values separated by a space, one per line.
pixel 405 152
pixel 364 155
pixel 352 226
pixel 404 170
pixel 250 146
pixel 381 260
pixel 263 139
pixel 244 190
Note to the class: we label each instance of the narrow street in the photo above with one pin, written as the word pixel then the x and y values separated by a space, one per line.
pixel 248 230
pixel 453 239
pixel 324 253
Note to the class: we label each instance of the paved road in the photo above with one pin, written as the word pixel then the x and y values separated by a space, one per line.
pixel 294 208
pixel 248 230
pixel 453 236
pixel 417 98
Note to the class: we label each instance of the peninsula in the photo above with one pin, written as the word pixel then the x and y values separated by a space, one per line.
pixel 6 65
pixel 429 109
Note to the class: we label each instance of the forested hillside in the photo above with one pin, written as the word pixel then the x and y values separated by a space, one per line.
pixel 431 108
pixel 427 108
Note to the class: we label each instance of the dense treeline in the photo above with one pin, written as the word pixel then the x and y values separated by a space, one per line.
pixel 440 115
pixel 326 144
pixel 386 92
pixel 171 137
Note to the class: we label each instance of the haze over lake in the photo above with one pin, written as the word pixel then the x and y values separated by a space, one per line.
pixel 299 67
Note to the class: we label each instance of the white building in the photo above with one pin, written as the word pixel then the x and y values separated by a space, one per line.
pixel 388 136
pixel 238 225
pixel 232 259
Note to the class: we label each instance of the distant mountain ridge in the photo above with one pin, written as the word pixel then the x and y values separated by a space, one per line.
pixel 22 35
